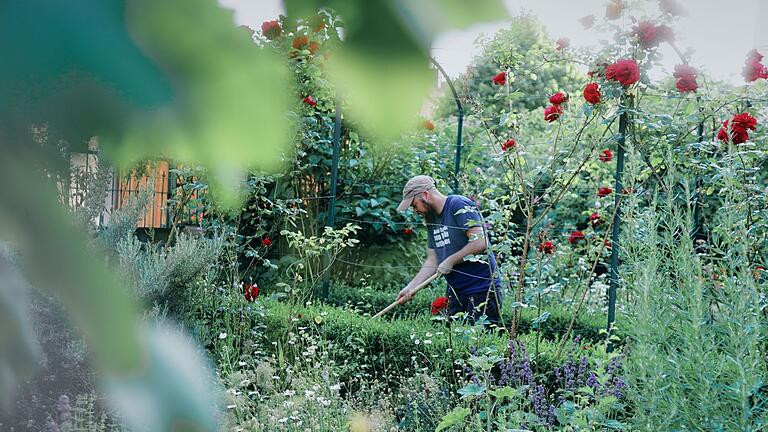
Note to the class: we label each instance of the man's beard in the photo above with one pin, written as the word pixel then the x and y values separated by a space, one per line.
pixel 431 214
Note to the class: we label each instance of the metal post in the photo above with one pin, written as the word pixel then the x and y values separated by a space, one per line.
pixel 460 114
pixel 616 224
pixel 331 220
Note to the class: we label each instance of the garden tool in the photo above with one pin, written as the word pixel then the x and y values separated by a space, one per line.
pixel 402 300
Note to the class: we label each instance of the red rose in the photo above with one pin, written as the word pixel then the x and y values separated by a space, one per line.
pixel 509 145
pixel 547 248
pixel 300 42
pixel 271 29
pixel 737 132
pixel 313 47
pixel 428 125
pixel 552 113
pixel 317 23
pixel 500 78
pixel 608 243
pixel 562 44
pixel 408 231
pixel 587 21
pixel 604 191
pixel 650 35
pixel 594 218
pixel 576 237
pixel 686 78
pixel 266 241
pixel 439 304
pixel 671 7
pixel 624 71
pixel 558 98
pixel 606 155
pixel 753 69
pixel 309 100
pixel 613 9
pixel 592 93
pixel 251 292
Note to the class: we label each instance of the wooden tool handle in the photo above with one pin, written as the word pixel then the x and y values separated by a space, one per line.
pixel 401 300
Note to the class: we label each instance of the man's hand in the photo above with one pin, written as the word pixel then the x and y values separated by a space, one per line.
pixel 445 267
pixel 405 295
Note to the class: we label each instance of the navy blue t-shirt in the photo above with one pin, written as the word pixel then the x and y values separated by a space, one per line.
pixel 448 234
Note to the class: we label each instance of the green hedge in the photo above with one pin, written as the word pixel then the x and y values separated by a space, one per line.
pixel 370 300
pixel 367 348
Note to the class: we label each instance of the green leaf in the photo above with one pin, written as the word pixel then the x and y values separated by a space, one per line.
pixel 472 390
pixel 454 417
pixel 504 392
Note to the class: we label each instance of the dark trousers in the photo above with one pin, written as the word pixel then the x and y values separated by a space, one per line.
pixel 470 304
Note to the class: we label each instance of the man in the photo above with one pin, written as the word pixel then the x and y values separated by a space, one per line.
pixel 454 232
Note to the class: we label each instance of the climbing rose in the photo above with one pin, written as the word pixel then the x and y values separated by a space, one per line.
pixel 625 72
pixel 271 29
pixel 250 292
pixel 587 21
pixel 500 78
pixel 266 241
pixel 606 155
pixel 604 191
pixel 552 113
pixel 310 100
pixel 686 78
pixel 594 218
pixel 408 231
pixel 753 69
pixel 613 9
pixel 562 44
pixel 576 237
pixel 428 125
pixel 558 98
pixel 547 247
pixel 592 93
pixel 650 35
pixel 509 145
pixel 737 132
pixel 439 304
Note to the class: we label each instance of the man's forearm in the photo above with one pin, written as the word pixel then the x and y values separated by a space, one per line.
pixel 427 270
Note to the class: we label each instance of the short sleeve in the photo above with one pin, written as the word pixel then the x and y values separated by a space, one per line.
pixel 466 214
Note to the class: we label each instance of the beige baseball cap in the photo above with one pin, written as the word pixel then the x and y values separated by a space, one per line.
pixel 415 186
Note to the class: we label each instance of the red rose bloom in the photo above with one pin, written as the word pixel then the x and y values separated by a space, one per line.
pixel 606 155
pixel 552 113
pixel 753 69
pixel 500 78
pixel 439 304
pixel 509 145
pixel 547 248
pixel 250 292
pixel 576 237
pixel 309 100
pixel 737 132
pixel 587 21
pixel 613 9
pixel 686 78
pixel 428 125
pixel 604 191
pixel 266 241
pixel 313 47
pixel 592 93
pixel 650 35
pixel 300 42
pixel 271 29
pixel 625 72
pixel 594 218
pixel 608 243
pixel 408 231
pixel 558 98
pixel 562 44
